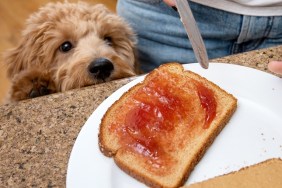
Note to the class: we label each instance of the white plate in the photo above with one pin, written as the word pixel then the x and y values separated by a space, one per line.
pixel 254 133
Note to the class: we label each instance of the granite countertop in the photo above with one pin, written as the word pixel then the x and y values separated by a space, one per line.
pixel 37 135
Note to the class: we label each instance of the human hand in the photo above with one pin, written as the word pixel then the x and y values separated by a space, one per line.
pixel 275 66
pixel 170 2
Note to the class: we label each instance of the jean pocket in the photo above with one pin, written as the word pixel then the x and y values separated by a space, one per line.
pixel 150 1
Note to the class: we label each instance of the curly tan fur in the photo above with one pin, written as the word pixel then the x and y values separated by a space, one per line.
pixel 86 27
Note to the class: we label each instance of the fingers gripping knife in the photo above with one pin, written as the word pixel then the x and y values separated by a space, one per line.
pixel 193 32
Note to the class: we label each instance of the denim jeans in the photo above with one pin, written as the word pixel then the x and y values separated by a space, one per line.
pixel 162 38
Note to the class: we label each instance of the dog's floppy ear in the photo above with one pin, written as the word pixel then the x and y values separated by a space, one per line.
pixel 16 59
pixel 29 51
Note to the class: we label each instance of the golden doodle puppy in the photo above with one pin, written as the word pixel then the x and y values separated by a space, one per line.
pixel 70 45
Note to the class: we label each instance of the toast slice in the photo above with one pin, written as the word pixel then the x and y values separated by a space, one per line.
pixel 159 129
pixel 265 174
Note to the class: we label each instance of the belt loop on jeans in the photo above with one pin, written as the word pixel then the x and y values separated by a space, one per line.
pixel 243 35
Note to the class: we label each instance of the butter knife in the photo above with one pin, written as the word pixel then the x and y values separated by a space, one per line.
pixel 193 32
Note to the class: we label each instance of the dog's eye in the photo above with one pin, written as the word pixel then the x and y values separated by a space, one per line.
pixel 66 46
pixel 108 41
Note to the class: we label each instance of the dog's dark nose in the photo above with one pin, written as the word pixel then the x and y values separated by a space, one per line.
pixel 101 68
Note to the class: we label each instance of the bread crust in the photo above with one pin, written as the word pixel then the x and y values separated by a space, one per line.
pixel 110 148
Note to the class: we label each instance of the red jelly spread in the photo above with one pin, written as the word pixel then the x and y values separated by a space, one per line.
pixel 163 112
pixel 208 103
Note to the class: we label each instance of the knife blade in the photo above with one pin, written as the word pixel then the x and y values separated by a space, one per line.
pixel 192 30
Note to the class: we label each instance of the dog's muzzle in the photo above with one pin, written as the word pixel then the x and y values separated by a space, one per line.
pixel 101 68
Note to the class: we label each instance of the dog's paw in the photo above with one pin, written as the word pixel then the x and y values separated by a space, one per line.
pixel 31 84
pixel 41 86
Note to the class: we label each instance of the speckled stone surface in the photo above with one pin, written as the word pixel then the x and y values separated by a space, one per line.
pixel 37 135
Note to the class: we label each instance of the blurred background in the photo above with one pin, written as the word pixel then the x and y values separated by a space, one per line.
pixel 13 14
